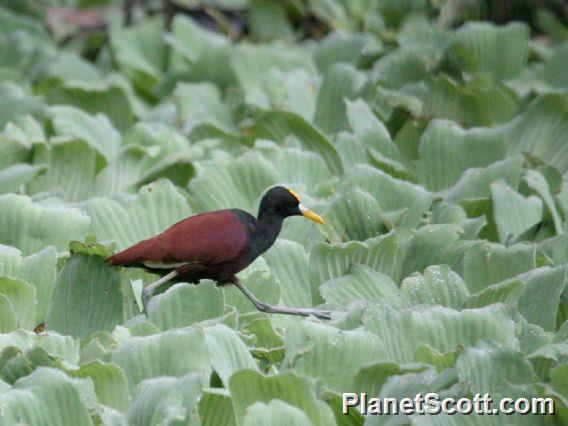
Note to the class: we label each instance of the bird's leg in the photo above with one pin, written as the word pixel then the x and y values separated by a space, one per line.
pixel 148 291
pixel 265 307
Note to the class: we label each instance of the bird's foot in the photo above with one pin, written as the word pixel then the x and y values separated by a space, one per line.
pixel 305 312
pixel 146 296
pixel 265 307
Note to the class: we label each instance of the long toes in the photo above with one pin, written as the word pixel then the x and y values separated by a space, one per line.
pixel 321 314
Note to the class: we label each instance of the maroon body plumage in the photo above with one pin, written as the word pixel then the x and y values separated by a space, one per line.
pixel 214 245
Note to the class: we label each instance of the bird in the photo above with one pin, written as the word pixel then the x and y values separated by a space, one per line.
pixel 217 245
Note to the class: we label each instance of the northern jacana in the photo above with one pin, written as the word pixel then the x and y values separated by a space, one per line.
pixel 217 245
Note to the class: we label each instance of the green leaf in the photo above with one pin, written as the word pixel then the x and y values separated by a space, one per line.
pixel 541 129
pixel 476 182
pixel 551 25
pixel 537 182
pixel 184 305
pixel 330 261
pixel 158 355
pixel 200 104
pixel 109 382
pixel 21 340
pixel 14 148
pixel 21 296
pixel 361 284
pixel 539 302
pixel 298 93
pixel 400 67
pixel 388 102
pixel 435 245
pixel 295 165
pixel 340 82
pixel 16 101
pixel 384 254
pixel 72 67
pixel 288 262
pixel 13 18
pixel 13 178
pixel 30 227
pixel 425 36
pixel 447 151
pixel 513 213
pixel 8 321
pixel 4 387
pixel 39 269
pixel 89 247
pixel 254 66
pixel 208 52
pixel 237 183
pixel 17 365
pixel 216 408
pixel 363 121
pixel 439 360
pixel 557 249
pixel 322 351
pixel 157 206
pixel 96 130
pixel 355 215
pixel 392 195
pixel 552 72
pixel 165 400
pixel 480 102
pixel 72 168
pixel 53 401
pixel 228 352
pixel 267 21
pixel 141 53
pixel 507 292
pixel 339 47
pixel 401 333
pixel 390 166
pixel 248 387
pixel 370 379
pixel 487 263
pixel 277 125
pixel 124 172
pixel 500 51
pixel 11 261
pixel 87 297
pixel 487 369
pixel 439 285
pixel 547 357
pixel 443 212
pixel 264 333
pixel 63 347
pixel 275 413
pixel 109 96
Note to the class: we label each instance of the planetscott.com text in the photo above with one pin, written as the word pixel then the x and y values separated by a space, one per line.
pixel 432 404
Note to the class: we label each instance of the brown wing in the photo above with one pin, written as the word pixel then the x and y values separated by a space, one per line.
pixel 206 238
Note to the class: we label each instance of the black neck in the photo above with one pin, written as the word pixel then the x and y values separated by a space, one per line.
pixel 268 228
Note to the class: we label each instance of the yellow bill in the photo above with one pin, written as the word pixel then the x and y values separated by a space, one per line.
pixel 310 214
